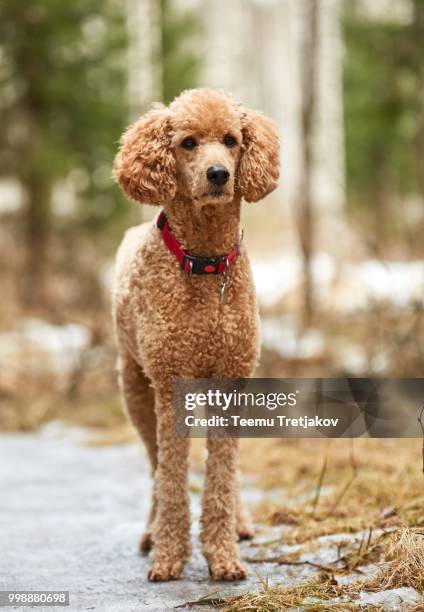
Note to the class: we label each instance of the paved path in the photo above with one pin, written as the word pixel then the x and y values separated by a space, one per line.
pixel 70 519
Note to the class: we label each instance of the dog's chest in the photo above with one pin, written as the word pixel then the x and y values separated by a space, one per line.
pixel 193 324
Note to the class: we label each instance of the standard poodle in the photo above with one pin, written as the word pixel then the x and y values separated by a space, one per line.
pixel 185 306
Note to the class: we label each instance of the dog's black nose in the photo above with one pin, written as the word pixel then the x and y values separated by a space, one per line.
pixel 218 175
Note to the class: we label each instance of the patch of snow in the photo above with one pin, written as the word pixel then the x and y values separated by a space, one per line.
pixel 12 196
pixel 350 355
pixel 281 335
pixel 380 363
pixel 366 572
pixel 284 336
pixel 395 281
pixel 41 346
pixel 323 269
pixel 275 278
pixel 322 556
pixel 394 600
pixel 347 287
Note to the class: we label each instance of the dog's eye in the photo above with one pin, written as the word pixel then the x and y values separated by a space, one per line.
pixel 230 141
pixel 189 143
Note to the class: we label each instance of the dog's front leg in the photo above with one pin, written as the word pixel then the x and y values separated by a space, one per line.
pixel 172 525
pixel 219 534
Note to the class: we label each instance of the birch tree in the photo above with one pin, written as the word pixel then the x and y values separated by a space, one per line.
pixel 308 61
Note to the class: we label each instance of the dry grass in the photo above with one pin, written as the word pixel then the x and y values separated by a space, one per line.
pixel 275 599
pixel 403 552
pixel 363 479
pixel 405 556
pixel 96 403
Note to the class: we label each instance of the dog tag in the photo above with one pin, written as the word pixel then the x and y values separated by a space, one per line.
pixel 222 292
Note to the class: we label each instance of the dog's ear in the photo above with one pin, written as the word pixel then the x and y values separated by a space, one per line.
pixel 145 166
pixel 259 166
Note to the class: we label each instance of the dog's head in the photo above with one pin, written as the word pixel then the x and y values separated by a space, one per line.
pixel 204 148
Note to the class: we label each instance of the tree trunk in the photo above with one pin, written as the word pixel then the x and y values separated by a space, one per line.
pixel 36 238
pixel 418 37
pixel 308 59
pixel 144 49
pixel 381 199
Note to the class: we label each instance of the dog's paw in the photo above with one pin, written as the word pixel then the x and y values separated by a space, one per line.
pixel 146 542
pixel 227 569
pixel 162 572
pixel 245 531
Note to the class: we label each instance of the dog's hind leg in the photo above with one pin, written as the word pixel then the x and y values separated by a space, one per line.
pixel 139 402
pixel 244 526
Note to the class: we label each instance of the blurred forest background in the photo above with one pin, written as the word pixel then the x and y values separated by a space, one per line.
pixel 337 251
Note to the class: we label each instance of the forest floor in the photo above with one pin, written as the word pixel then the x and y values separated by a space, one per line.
pixel 73 506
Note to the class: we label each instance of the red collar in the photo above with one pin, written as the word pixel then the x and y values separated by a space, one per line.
pixel 193 264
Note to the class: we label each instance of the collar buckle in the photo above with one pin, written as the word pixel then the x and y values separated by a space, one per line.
pixel 195 264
